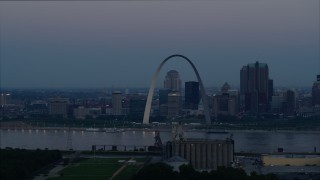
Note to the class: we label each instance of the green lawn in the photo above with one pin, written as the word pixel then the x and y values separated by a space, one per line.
pixel 130 170
pixel 127 172
pixel 99 168
pixel 140 160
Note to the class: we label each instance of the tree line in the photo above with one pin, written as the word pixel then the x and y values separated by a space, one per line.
pixel 21 163
pixel 161 171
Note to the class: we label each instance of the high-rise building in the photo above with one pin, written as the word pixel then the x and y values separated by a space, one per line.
pixel 254 87
pixel 173 81
pixel 174 104
pixel 284 102
pixel 58 106
pixel 270 86
pixel 192 96
pixel 116 103
pixel 163 96
pixel 316 92
pixel 163 101
pixel 226 101
pixel 137 105
pixel 37 107
pixel 289 106
pixel 4 99
pixel 277 103
pixel 80 112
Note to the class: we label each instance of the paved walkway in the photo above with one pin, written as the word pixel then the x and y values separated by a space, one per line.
pixel 58 167
pixel 53 173
pixel 119 170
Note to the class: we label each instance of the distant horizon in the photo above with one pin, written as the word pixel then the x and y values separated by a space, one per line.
pixel 124 88
pixel 57 44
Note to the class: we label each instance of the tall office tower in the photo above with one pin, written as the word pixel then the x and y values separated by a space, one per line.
pixel 278 100
pixel 163 101
pixel 80 112
pixel 316 92
pixel 163 96
pixel 58 106
pixel 289 105
pixel 116 103
pixel 137 105
pixel 173 81
pixel 270 91
pixel 174 104
pixel 254 87
pixel 4 99
pixel 191 95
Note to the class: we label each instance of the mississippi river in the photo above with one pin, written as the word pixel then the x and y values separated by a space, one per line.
pixel 245 141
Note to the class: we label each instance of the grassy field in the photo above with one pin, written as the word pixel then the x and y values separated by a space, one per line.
pixel 99 168
pixel 129 170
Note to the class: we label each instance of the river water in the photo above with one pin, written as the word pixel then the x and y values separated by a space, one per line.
pixel 245 141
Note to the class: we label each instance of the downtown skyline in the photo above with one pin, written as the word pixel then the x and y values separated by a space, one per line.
pixel 120 44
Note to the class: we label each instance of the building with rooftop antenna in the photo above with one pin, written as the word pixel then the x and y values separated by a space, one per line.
pixel 254 87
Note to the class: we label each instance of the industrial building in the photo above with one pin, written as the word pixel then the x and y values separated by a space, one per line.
pixel 203 154
pixel 290 160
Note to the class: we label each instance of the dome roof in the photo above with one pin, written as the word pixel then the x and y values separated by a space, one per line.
pixel 172 72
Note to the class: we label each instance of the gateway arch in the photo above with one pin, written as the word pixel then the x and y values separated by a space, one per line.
pixel 153 83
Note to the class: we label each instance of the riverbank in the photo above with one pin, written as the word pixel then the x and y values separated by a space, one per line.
pixel 245 141
pixel 163 128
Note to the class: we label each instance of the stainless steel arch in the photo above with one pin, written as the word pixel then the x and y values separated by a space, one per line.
pixel 153 83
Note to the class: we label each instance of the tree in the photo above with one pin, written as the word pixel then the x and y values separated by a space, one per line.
pixel 157 171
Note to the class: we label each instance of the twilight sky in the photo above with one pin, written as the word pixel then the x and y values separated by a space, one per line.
pixel 120 44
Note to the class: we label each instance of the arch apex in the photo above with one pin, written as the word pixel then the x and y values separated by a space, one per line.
pixel 147 110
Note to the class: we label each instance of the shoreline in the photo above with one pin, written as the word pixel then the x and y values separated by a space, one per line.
pixel 19 125
pixel 161 129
